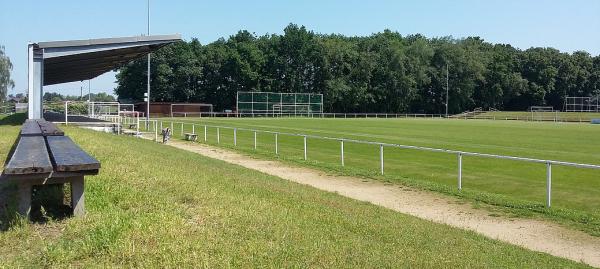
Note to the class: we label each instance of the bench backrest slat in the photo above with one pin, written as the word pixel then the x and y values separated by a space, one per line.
pixel 30 128
pixel 30 157
pixel 67 156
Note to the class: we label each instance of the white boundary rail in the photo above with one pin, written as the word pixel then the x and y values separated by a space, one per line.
pixel 459 154
pixel 554 117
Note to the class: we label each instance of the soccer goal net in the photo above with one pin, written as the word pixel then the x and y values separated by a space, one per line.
pixel 543 113
pixel 271 104
pixel 108 111
pixel 297 110
pixel 191 110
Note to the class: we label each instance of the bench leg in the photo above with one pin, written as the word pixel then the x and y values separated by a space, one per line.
pixel 77 196
pixel 24 206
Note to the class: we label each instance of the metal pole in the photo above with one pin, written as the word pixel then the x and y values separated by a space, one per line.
pixel 447 89
pixel 218 136
pixel 254 140
pixel 305 155
pixel 204 133
pixel 182 129
pixel 193 128
pixel 381 156
pixel 342 151
pixel 276 144
pixel 235 136
pixel 148 77
pixel 161 125
pixel 155 132
pixel 548 184
pixel 171 127
pixel 66 112
pixel 459 171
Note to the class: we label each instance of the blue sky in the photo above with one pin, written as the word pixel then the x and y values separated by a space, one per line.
pixel 565 25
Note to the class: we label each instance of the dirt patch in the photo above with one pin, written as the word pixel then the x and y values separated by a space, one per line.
pixel 536 235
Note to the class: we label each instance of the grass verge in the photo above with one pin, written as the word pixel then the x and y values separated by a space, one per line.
pixel 157 206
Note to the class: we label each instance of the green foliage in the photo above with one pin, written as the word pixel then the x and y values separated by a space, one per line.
pixel 384 72
pixel 94 97
pixel 5 81
pixel 154 206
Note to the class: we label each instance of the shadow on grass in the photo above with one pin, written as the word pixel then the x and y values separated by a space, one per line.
pixel 47 203
pixel 13 119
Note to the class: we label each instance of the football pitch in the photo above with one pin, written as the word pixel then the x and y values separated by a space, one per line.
pixel 511 184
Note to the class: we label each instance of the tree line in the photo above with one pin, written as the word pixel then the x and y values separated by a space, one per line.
pixel 94 97
pixel 383 72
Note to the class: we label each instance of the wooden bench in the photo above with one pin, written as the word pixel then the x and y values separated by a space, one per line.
pixel 43 155
pixel 191 137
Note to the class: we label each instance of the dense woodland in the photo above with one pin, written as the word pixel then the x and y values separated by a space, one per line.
pixel 384 72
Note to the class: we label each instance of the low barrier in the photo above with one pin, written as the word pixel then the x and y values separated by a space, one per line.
pixel 459 154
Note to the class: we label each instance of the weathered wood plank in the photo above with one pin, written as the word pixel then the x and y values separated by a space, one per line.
pixel 49 128
pixel 30 128
pixel 78 196
pixel 67 156
pixel 30 157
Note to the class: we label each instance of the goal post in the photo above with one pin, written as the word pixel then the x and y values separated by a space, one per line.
pixel 190 109
pixel 296 110
pixel 543 113
pixel 272 104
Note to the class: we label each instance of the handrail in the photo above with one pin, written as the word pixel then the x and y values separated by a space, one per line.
pixel 450 151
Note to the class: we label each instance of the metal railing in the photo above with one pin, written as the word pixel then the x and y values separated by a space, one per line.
pixel 459 154
pixel 464 116
pixel 308 115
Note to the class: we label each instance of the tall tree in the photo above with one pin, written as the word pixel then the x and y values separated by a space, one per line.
pixel 5 81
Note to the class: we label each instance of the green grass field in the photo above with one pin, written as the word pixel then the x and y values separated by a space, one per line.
pixel 157 206
pixel 516 186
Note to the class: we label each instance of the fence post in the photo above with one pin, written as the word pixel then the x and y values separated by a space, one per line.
pixel 381 157
pixel 276 144
pixel 171 127
pixel 218 136
pixel 155 132
pixel 254 140
pixel 235 136
pixel 548 184
pixel 342 151
pixel 204 133
pixel 182 129
pixel 193 128
pixel 460 171
pixel 305 155
pixel 161 127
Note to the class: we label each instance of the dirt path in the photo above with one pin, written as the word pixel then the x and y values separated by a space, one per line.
pixel 532 234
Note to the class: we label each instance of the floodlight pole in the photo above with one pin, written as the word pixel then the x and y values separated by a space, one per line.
pixel 148 79
pixel 447 89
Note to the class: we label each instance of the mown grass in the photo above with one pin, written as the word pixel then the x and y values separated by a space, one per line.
pixel 157 206
pixel 516 186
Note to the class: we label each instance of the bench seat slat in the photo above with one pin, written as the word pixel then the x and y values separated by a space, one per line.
pixel 68 157
pixel 49 128
pixel 30 157
pixel 30 128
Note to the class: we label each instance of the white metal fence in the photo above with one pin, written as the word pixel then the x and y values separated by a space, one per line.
pixel 541 116
pixel 156 124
